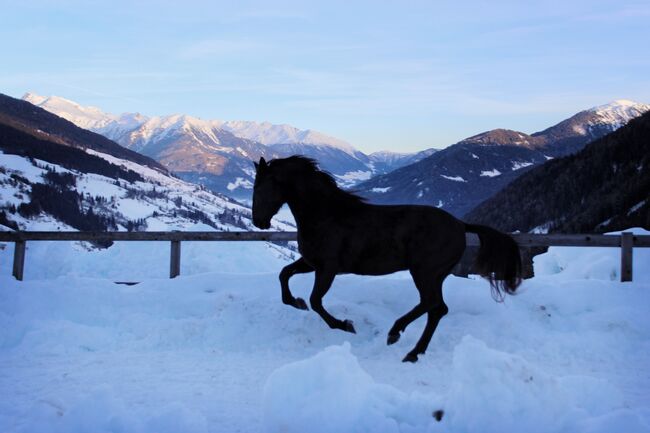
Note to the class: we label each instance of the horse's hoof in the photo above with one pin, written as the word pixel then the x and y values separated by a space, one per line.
pixel 410 358
pixel 348 326
pixel 300 304
pixel 392 338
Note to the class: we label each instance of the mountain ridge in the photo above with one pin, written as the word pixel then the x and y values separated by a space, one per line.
pixel 465 174
pixel 217 153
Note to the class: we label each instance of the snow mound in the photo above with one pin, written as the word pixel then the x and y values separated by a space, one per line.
pixel 494 391
pixel 491 391
pixel 330 392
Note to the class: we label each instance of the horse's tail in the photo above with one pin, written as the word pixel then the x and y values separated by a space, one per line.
pixel 498 260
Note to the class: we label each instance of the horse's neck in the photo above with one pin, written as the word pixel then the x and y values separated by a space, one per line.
pixel 310 207
pixel 306 213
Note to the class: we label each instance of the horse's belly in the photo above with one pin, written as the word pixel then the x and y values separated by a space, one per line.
pixel 371 264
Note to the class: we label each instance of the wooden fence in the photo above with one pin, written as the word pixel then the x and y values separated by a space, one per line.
pixel 626 242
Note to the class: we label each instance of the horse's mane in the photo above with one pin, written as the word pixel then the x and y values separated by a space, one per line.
pixel 306 170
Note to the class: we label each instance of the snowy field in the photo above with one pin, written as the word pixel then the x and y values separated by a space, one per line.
pixel 216 351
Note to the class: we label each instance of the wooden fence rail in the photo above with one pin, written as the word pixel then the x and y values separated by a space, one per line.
pixel 626 241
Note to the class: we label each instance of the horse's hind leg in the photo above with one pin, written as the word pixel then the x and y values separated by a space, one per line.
pixel 322 284
pixel 433 317
pixel 431 302
pixel 297 267
pixel 401 323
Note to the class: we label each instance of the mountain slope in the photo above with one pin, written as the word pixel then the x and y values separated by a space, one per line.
pixel 604 187
pixel 463 175
pixel 386 161
pixel 22 114
pixel 46 184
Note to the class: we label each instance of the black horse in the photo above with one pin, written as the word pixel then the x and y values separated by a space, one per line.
pixel 338 233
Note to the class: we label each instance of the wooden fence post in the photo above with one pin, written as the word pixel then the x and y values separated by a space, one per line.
pixel 19 259
pixel 175 260
pixel 627 244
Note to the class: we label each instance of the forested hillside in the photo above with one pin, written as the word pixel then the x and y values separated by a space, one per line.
pixel 604 187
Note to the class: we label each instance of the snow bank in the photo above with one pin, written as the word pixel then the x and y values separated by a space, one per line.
pixel 593 263
pixel 494 391
pixel 491 391
pixel 135 261
pixel 330 392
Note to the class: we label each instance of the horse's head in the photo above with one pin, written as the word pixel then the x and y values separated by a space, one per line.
pixel 267 195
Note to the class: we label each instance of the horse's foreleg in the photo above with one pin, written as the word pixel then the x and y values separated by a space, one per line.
pixel 297 267
pixel 322 284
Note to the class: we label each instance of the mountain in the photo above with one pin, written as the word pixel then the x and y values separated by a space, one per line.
pixel 465 174
pixel 570 135
pixel 24 115
pixel 386 161
pixel 216 153
pixel 604 187
pixel 61 182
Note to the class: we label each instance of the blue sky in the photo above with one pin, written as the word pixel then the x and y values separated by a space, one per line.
pixel 380 74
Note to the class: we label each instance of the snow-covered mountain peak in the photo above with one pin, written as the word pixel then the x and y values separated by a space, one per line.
pixel 268 133
pixel 387 155
pixel 34 98
pixel 618 103
pixel 86 117
pixel 117 127
pixel 619 112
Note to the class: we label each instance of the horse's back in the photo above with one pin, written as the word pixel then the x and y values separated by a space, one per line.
pixel 384 239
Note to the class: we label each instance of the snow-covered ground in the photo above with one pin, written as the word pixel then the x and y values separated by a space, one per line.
pixel 172 208
pixel 218 352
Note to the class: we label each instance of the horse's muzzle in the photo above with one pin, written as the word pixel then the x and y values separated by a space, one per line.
pixel 261 224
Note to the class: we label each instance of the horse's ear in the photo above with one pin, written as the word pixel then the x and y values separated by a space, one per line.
pixel 261 165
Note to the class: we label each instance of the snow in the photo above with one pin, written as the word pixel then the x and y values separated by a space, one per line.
pixel 136 208
pixel 579 129
pixel 215 350
pixel 268 133
pixel 240 182
pixel 334 393
pixel 388 156
pixel 352 178
pixel 454 178
pixel 593 263
pixel 516 165
pixel 84 117
pixel 490 173
pixel 636 207
pixel 355 176
pixel 617 113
